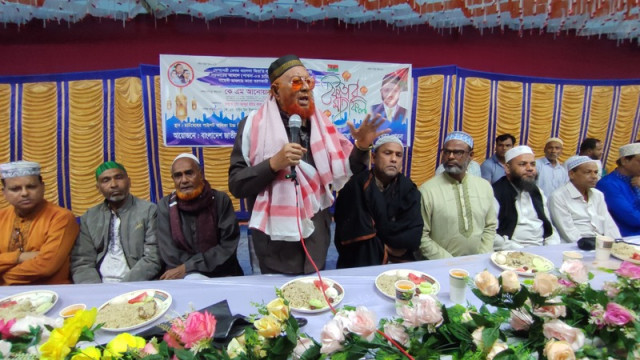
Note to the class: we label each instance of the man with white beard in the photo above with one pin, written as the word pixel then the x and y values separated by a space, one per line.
pixel 523 217
pixel 457 207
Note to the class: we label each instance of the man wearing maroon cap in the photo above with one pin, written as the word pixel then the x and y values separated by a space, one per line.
pixel 264 157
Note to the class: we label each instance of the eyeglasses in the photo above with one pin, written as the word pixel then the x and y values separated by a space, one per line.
pixel 456 153
pixel 298 81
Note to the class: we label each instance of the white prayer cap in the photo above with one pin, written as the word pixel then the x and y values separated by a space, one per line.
pixel 385 140
pixel 517 151
pixel 19 168
pixel 578 160
pixel 186 155
pixel 554 139
pixel 460 135
pixel 629 149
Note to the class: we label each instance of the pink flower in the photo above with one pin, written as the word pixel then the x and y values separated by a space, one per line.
pixel 566 283
pixel 303 345
pixel 172 340
pixel 487 283
pixel 198 326
pixel 424 309
pixel 559 350
pixel 332 336
pixel 510 282
pixel 520 320
pixel 617 315
pixel 5 328
pixel 150 349
pixel 362 323
pixel 557 329
pixel 597 315
pixel 397 333
pixel 545 284
pixel 629 270
pixel 551 311
pixel 576 271
pixel 427 310
pixel 611 289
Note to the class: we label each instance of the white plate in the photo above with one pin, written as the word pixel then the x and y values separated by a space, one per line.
pixel 624 257
pixel 328 282
pixel 45 298
pixel 162 298
pixel 392 295
pixel 529 271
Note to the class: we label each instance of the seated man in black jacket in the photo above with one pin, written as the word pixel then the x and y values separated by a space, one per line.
pixel 377 213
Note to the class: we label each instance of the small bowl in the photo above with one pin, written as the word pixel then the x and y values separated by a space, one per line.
pixel 571 255
pixel 71 310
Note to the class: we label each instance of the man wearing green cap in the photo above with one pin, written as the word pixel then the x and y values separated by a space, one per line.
pixel 265 155
pixel 117 240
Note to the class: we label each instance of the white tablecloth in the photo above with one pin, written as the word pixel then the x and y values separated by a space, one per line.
pixel 241 291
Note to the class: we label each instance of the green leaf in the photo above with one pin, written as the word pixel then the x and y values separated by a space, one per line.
pixel 489 337
pixel 183 354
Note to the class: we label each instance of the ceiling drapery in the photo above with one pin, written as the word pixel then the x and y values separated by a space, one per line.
pixel 614 19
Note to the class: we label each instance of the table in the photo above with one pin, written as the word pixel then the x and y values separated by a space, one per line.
pixel 241 291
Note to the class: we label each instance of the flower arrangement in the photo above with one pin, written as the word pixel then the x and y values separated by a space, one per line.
pixel 554 316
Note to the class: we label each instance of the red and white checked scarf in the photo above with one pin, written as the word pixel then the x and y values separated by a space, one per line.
pixel 274 211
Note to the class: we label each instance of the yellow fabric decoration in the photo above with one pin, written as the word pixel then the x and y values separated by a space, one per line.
pixel 40 133
pixel 86 126
pixel 477 99
pixel 428 114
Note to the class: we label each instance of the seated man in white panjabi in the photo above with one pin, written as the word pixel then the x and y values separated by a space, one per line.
pixel 578 209
pixel 523 218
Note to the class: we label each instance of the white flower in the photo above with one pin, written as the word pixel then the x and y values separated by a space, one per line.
pixel 5 348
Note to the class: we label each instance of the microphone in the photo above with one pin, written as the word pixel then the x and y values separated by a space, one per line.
pixel 295 122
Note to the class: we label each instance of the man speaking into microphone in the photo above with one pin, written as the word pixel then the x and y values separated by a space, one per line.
pixel 283 205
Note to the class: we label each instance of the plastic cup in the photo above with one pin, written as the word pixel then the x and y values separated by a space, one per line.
pixel 457 285
pixel 405 290
pixel 603 247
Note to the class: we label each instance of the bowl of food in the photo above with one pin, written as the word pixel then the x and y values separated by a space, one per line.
pixel 71 310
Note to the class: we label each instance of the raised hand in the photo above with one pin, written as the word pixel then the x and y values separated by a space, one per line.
pixel 367 132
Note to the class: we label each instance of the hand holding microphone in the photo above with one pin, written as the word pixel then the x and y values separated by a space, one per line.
pixel 291 153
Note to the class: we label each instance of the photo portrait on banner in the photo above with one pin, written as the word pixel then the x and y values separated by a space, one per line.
pixel 205 97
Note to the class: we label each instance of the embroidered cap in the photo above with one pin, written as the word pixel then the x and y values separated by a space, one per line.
pixel 460 135
pixel 281 65
pixel 385 140
pixel 19 168
pixel 578 160
pixel 109 165
pixel 630 149
pixel 517 151
pixel 186 155
pixel 554 139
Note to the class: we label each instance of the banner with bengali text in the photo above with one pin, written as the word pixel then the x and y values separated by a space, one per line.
pixel 205 97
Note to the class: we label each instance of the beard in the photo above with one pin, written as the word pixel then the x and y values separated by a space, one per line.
pixel 523 184
pixel 192 195
pixel 304 113
pixel 456 169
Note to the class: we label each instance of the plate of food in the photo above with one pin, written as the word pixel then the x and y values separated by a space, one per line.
pixel 425 284
pixel 522 263
pixel 626 252
pixel 305 294
pixel 36 302
pixel 133 310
